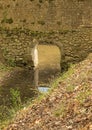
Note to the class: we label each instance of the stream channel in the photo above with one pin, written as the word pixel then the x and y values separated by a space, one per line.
pixel 19 82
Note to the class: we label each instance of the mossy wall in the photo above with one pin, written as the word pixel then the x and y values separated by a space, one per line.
pixel 16 45
pixel 74 45
pixel 65 23
pixel 45 15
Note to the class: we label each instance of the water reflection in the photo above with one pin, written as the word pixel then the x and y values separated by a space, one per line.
pixel 19 79
pixel 25 80
pixel 43 89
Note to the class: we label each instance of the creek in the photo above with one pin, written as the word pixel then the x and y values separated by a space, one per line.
pixel 21 80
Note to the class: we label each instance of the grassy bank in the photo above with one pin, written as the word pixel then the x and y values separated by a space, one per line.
pixel 9 113
pixel 67 105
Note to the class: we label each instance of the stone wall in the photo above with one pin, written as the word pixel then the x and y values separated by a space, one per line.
pixel 16 46
pixel 45 15
pixel 74 45
pixel 65 23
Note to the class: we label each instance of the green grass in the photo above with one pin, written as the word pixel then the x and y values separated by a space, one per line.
pixel 15 96
pixel 69 72
pixel 7 112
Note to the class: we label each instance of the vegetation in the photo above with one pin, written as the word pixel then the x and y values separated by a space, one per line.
pixel 15 98
pixel 67 104
pixel 68 99
pixel 8 20
pixel 7 112
pixel 61 111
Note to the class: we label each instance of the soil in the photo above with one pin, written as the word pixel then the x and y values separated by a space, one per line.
pixel 67 107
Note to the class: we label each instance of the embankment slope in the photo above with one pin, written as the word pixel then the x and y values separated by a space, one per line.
pixel 68 106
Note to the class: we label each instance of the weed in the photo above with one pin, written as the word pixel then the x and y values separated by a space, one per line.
pixel 15 98
pixel 5 115
pixel 7 20
pixel 11 62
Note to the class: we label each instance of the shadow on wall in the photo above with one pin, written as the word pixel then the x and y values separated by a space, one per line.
pixel 19 79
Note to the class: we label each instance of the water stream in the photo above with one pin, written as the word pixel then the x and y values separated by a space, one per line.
pixel 43 89
pixel 22 79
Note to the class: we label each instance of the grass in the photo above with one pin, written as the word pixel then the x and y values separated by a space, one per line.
pixel 83 95
pixel 16 105
pixel 16 99
pixel 61 110
pixel 16 96
pixel 70 88
pixel 7 112
pixel 69 72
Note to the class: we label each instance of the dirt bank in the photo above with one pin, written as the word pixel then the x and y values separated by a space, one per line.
pixel 67 107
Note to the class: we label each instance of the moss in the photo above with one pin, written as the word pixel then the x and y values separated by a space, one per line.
pixel 11 62
pixel 33 23
pixel 41 22
pixel 8 6
pixel 7 20
pixel 17 4
pixel 40 1
pixel 50 1
pixel 59 22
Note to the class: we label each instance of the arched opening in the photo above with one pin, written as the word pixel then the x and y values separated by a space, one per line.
pixel 49 63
